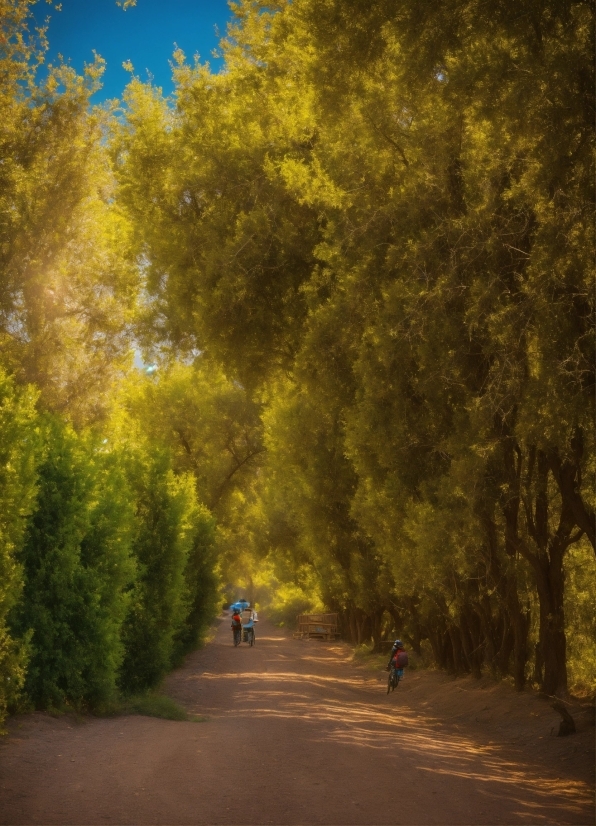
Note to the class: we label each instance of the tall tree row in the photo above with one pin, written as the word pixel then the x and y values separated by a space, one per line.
pixel 379 220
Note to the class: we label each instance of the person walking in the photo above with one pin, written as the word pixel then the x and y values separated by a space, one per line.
pixel 236 626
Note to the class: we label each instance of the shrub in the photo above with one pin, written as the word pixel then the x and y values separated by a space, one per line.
pixel 200 581
pixel 160 600
pixel 77 566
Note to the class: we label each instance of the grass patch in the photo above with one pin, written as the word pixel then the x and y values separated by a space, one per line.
pixel 152 704
pixel 155 705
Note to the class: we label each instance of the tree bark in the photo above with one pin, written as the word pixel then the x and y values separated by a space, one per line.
pixel 417 630
pixel 471 643
pixel 510 506
pixel 547 562
pixel 520 624
pixel 460 664
pixel 490 631
pixel 353 627
pixel 510 634
pixel 376 624
pixel 550 584
pixel 440 643
pixel 567 474
pixel 506 649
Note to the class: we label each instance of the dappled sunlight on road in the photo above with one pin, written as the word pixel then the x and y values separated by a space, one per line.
pixel 317 740
pixel 334 711
pixel 326 660
pixel 271 639
pixel 314 700
pixel 276 676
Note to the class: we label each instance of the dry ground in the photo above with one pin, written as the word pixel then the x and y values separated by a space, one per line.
pixel 296 734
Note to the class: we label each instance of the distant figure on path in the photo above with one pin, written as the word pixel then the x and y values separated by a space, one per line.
pixel 236 625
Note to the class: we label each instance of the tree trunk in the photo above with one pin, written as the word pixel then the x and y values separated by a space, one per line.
pixel 439 641
pixel 508 634
pixel 520 624
pixel 470 642
pixel 362 626
pixel 397 619
pixel 510 506
pixel 568 476
pixel 507 646
pixel 448 653
pixel 376 624
pixel 553 645
pixel 538 664
pixel 353 626
pixel 490 631
pixel 460 665
pixel 547 563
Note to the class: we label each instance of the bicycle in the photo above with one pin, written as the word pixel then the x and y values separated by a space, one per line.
pixel 395 675
pixel 248 635
pixel 237 636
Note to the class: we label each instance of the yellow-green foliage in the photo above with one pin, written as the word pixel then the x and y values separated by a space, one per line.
pixel 288 601
pixel 18 478
pixel 160 601
pixel 281 599
pixel 77 567
pixel 68 284
pixel 109 559
pixel 580 615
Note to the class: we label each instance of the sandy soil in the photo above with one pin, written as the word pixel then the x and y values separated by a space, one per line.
pixel 296 734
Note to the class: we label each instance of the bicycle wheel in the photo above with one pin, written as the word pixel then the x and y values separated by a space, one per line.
pixel 252 639
pixel 236 638
pixel 389 683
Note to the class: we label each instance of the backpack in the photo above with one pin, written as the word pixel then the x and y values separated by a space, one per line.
pixel 401 659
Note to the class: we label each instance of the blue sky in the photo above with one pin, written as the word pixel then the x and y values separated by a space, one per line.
pixel 144 34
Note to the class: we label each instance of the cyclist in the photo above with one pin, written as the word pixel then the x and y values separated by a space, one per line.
pixel 396 648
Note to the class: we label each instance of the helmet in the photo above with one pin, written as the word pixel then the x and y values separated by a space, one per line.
pixel 398 644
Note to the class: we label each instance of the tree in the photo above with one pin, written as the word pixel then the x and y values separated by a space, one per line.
pixel 210 424
pixel 68 285
pixel 226 248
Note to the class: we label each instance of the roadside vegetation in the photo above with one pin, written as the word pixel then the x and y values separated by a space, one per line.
pixel 358 268
pixel 154 704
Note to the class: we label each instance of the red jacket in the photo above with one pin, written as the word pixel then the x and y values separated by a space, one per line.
pixel 400 661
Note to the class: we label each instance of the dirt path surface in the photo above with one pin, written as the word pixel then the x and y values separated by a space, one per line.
pixel 297 735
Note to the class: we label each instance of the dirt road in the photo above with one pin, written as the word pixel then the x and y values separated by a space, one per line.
pixel 297 735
